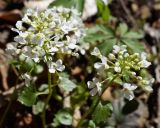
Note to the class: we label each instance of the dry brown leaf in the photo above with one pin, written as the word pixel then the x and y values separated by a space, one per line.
pixel 41 5
pixel 10 16
pixel 76 70
pixel 107 95
pixel 2 4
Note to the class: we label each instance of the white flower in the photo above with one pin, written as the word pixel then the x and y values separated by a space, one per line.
pixel 121 49
pixel 148 88
pixel 36 58
pixel 19 25
pixel 144 64
pixel 95 87
pixel 39 39
pixel 148 84
pixel 128 90
pixel 20 40
pixel 27 78
pixel 11 48
pixel 55 30
pixel 129 86
pixel 116 49
pixel 71 42
pixel 96 52
pixel 25 19
pixel 101 65
pixel 111 56
pixel 117 69
pixel 55 66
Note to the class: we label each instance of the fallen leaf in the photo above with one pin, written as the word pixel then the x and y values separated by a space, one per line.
pixel 10 16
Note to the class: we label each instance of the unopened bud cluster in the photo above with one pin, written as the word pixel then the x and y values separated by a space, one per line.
pixel 43 35
pixel 124 66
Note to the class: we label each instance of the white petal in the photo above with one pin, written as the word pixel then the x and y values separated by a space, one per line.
pixel 133 87
pixel 111 56
pixel 126 86
pixel 72 46
pixel 95 52
pixel 95 80
pixel 145 63
pixel 20 40
pixel 59 62
pixel 19 25
pixel 117 69
pixel 90 84
pixel 129 86
pixel 129 95
pixel 60 68
pixel 148 88
pixel 98 65
pixel 52 70
pixel 104 60
pixel 93 92
pixel 51 67
pixel 116 48
pixel 60 44
pixel 53 49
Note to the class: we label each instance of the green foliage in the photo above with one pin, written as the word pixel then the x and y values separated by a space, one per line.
pixel 107 37
pixel 38 107
pixel 102 112
pixel 80 95
pixel 66 84
pixel 28 96
pixel 91 124
pixel 78 4
pixel 103 10
pixel 63 117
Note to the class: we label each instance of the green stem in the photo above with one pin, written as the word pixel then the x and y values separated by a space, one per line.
pixel 94 104
pixel 92 108
pixel 47 100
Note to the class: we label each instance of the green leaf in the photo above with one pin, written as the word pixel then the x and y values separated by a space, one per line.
pixel 64 117
pixel 64 3
pixel 66 84
pixel 102 112
pixel 100 5
pixel 106 30
pixel 28 96
pixel 135 46
pixel 122 28
pixel 130 107
pixel 80 94
pixel 38 108
pixel 91 124
pixel 133 35
pixel 107 46
pixel 106 13
pixel 103 10
pixel 79 5
pixel 98 33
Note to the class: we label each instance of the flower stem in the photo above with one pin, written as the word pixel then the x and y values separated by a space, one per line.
pixel 94 104
pixel 47 100
pixel 92 108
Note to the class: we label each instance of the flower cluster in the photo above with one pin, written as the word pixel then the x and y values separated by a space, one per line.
pixel 124 67
pixel 43 35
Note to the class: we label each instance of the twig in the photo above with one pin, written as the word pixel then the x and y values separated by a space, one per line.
pixel 128 13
